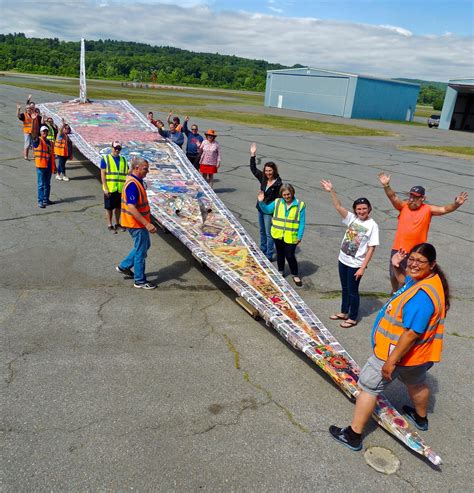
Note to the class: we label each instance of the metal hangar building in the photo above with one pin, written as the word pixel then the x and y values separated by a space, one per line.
pixel 341 94
pixel 458 106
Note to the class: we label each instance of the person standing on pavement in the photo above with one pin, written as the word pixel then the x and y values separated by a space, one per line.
pixel 52 129
pixel 63 151
pixel 136 218
pixel 414 218
pixel 270 184
pixel 407 339
pixel 193 143
pixel 113 172
pixel 27 119
pixel 44 161
pixel 357 249
pixel 171 134
pixel 210 160
pixel 288 222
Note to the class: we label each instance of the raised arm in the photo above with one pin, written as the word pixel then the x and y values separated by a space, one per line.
pixel 185 128
pixel 170 114
pixel 392 196
pixel 439 210
pixel 253 164
pixel 400 273
pixel 18 110
pixel 328 187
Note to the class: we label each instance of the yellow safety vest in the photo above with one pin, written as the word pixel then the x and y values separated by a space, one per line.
pixel 115 178
pixel 286 227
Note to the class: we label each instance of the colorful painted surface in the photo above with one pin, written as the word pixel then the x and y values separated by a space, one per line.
pixel 183 203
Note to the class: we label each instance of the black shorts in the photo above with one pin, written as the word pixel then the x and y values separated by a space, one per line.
pixel 113 201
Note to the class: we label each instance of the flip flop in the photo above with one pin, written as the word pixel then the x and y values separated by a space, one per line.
pixel 336 316
pixel 347 324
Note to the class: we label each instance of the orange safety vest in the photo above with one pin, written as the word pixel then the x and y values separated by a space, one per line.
pixel 61 145
pixel 27 123
pixel 430 344
pixel 126 218
pixel 44 155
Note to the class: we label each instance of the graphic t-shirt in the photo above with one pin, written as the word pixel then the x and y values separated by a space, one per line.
pixel 357 239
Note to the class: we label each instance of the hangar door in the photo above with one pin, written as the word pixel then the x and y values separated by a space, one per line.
pixel 319 94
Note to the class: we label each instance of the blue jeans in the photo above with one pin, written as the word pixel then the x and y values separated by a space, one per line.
pixel 61 164
pixel 136 257
pixel 267 244
pixel 350 290
pixel 44 184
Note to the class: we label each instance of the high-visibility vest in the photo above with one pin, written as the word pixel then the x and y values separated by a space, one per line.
pixel 126 218
pixel 283 227
pixel 115 177
pixel 50 135
pixel 27 123
pixel 430 344
pixel 61 147
pixel 44 155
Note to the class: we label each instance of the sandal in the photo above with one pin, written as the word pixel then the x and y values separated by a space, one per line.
pixel 348 323
pixel 297 281
pixel 338 316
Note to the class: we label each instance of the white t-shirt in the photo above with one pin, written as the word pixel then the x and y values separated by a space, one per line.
pixel 357 239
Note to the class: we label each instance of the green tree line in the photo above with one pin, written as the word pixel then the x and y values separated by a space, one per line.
pixel 121 60
pixel 139 62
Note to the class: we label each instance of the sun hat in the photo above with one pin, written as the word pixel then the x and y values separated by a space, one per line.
pixel 211 132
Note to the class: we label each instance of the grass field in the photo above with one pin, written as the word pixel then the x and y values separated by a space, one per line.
pixel 425 111
pixel 453 151
pixel 195 102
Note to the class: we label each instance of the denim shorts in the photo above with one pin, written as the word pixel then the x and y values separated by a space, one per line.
pixel 370 378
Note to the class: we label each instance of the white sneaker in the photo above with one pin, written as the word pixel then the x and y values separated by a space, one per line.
pixel 65 178
pixel 58 177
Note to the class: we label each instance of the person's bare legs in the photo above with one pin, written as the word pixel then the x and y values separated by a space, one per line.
pixel 117 216
pixel 420 396
pixel 211 180
pixel 108 216
pixel 365 405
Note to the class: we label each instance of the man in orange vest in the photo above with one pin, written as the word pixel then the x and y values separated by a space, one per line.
pixel 414 219
pixel 44 161
pixel 27 120
pixel 407 338
pixel 136 217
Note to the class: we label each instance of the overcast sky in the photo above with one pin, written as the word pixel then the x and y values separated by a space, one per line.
pixel 426 39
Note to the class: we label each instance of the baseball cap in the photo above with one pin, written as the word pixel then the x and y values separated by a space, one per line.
pixel 418 190
pixel 116 143
pixel 44 127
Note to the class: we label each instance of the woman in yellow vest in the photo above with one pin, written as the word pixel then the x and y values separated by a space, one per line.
pixel 289 216
pixel 407 339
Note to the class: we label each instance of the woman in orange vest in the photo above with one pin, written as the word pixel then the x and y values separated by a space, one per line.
pixel 407 339
pixel 63 150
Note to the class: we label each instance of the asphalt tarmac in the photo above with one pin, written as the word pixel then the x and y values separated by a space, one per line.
pixel 110 388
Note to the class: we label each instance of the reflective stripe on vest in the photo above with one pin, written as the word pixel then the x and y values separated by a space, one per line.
pixel 284 227
pixel 126 218
pixel 27 123
pixel 429 345
pixel 44 156
pixel 50 135
pixel 61 147
pixel 115 178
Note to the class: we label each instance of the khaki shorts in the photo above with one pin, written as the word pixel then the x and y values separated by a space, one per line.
pixel 370 378
pixel 28 141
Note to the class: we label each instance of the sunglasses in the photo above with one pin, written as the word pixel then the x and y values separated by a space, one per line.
pixel 118 148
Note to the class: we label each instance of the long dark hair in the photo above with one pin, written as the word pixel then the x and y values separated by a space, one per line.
pixel 429 252
pixel 273 166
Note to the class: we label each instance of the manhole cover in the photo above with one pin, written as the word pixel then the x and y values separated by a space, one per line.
pixel 382 459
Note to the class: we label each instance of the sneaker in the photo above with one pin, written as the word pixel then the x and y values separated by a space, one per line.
pixel 65 178
pixel 59 177
pixel 341 435
pixel 413 417
pixel 126 272
pixel 49 202
pixel 145 285
pixel 112 229
pixel 42 206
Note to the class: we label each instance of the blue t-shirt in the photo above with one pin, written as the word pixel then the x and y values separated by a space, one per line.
pixel 416 312
pixel 103 164
pixel 131 191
